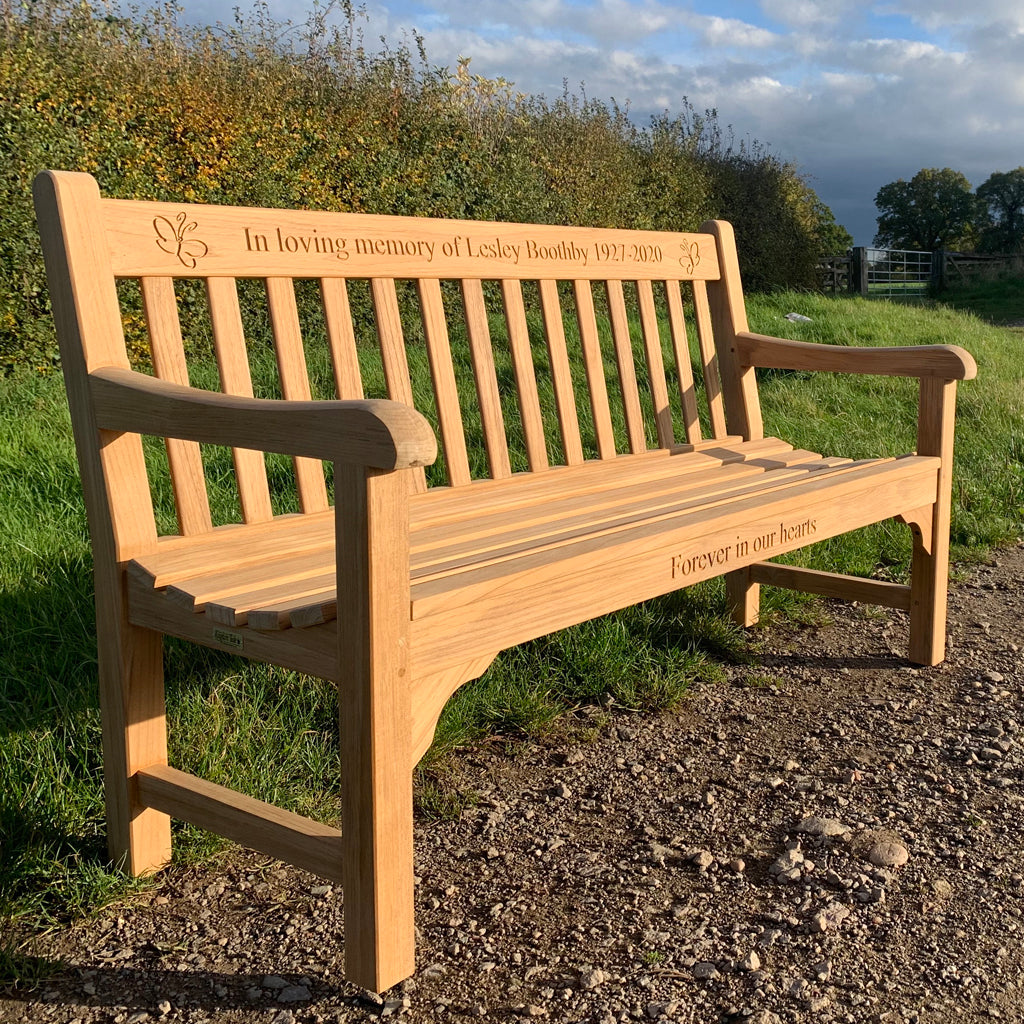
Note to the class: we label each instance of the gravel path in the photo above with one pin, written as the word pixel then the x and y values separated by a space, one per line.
pixel 831 835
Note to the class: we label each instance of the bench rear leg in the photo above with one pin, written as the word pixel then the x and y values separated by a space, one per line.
pixel 134 737
pixel 929 573
pixel 742 597
pixel 930 562
pixel 376 726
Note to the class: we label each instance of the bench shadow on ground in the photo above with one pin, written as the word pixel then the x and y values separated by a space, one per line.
pixel 50 731
pixel 142 988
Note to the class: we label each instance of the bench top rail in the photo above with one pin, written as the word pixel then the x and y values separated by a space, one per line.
pixel 526 346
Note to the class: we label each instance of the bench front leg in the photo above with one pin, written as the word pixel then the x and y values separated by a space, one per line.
pixel 929 571
pixel 372 523
pixel 131 675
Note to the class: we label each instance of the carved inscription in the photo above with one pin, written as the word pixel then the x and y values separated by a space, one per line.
pixel 174 239
pixel 467 247
pixel 762 544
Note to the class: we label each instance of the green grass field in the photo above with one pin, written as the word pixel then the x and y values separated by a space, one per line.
pixel 273 734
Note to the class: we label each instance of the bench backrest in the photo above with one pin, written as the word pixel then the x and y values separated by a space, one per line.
pixel 569 343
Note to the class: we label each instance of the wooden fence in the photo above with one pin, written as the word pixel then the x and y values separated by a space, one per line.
pixel 906 274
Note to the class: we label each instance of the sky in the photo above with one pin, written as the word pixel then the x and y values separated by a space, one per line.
pixel 856 95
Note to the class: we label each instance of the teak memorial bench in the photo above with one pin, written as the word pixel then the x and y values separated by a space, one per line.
pixel 409 591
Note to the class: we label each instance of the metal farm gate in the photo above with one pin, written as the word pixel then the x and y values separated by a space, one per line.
pixel 900 275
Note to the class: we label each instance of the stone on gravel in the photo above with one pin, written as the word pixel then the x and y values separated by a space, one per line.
pixel 816 826
pixel 888 854
pixel 658 1010
pixel 294 994
pixel 705 971
pixel 751 962
pixel 593 979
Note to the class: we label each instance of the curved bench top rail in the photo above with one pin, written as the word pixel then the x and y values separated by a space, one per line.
pixel 188 240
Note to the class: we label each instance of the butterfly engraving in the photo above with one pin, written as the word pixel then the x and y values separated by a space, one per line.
pixel 691 256
pixel 172 239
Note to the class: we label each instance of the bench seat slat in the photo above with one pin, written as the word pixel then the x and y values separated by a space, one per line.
pixel 440 505
pixel 668 482
pixel 287 591
pixel 431 547
pixel 554 535
pixel 234 611
pixel 499 608
pixel 843 500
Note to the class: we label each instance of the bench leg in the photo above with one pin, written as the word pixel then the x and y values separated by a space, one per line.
pixel 930 563
pixel 376 741
pixel 134 737
pixel 929 573
pixel 742 597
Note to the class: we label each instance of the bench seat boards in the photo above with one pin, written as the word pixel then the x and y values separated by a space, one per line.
pixel 268 567
pixel 681 522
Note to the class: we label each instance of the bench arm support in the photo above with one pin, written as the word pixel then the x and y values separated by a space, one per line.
pixel 948 362
pixel 374 433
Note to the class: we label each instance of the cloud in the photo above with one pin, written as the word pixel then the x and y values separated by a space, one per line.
pixel 730 32
pixel 942 14
pixel 809 13
pixel 856 95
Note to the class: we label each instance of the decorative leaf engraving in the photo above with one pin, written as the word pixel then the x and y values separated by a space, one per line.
pixel 172 239
pixel 690 259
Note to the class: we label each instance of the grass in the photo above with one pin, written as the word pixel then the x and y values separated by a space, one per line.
pixel 280 728
pixel 997 297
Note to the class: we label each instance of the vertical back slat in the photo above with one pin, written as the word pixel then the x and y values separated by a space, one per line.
pixel 594 363
pixel 341 337
pixel 486 378
pixel 526 378
pixel 561 372
pixel 446 394
pixel 709 359
pixel 291 364
pixel 627 371
pixel 684 370
pixel 235 379
pixel 183 457
pixel 392 353
pixel 655 364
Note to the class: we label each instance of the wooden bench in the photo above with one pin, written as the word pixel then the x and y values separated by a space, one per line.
pixel 647 483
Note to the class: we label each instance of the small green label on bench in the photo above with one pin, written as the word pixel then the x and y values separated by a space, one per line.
pixel 222 636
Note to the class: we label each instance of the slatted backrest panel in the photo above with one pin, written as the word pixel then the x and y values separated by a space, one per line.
pixel 544 345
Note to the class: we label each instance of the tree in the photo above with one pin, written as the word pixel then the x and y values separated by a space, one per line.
pixel 934 210
pixel 1001 211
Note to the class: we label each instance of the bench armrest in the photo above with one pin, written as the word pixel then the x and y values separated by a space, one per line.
pixel 949 362
pixel 377 433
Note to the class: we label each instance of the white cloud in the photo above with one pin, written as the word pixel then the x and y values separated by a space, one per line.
pixel 731 32
pixel 939 14
pixel 804 13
